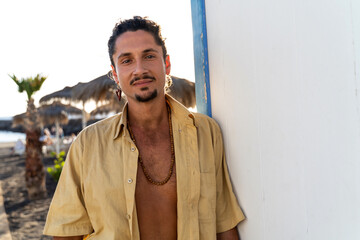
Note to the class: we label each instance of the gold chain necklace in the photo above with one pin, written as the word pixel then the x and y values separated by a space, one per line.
pixel 147 175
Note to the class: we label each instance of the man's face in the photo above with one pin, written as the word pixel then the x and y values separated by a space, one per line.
pixel 139 69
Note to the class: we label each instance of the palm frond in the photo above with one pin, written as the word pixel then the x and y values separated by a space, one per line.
pixel 29 85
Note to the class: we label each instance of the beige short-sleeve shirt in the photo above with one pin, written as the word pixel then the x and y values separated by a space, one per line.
pixel 96 191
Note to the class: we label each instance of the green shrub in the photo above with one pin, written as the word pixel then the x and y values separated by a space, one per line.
pixel 59 161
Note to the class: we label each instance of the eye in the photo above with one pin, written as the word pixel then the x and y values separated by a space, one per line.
pixel 150 56
pixel 125 61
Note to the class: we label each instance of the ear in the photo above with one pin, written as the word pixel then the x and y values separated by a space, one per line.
pixel 167 64
pixel 114 74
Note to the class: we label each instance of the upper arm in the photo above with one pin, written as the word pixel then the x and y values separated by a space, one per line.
pixel 67 214
pixel 228 212
pixel 68 238
pixel 232 234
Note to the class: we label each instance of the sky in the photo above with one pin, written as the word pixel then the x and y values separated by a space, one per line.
pixel 67 41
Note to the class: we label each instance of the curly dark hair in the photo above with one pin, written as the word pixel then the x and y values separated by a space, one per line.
pixel 132 25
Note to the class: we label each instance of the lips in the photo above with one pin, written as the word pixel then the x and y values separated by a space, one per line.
pixel 142 81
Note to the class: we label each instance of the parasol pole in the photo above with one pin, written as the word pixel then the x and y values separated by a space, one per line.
pixel 83 116
pixel 57 137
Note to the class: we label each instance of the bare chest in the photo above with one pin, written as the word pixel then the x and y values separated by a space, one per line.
pixel 156 205
pixel 156 158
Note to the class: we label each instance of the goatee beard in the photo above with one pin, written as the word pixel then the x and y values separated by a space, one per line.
pixel 147 98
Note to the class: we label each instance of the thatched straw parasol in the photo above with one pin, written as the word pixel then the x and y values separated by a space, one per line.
pixel 99 89
pixel 57 113
pixel 64 94
pixel 18 120
pixel 111 106
pixel 183 90
pixel 50 114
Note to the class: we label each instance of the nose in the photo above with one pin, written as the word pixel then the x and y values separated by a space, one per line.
pixel 140 68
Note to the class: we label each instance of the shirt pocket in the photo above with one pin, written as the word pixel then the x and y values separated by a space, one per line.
pixel 207 201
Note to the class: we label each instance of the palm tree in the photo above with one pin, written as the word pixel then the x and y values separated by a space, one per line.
pixel 34 168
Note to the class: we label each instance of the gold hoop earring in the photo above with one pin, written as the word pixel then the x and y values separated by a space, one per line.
pixel 168 81
pixel 110 75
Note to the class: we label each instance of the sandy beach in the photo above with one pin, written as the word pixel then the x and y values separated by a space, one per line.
pixel 26 218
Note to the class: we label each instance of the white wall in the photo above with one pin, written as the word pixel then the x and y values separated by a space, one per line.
pixel 285 79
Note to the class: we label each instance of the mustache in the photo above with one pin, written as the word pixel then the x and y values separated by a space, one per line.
pixel 141 78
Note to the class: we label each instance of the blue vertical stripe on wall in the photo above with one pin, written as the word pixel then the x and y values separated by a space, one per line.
pixel 202 80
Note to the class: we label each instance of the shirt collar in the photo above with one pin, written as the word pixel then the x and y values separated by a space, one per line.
pixel 122 122
pixel 178 111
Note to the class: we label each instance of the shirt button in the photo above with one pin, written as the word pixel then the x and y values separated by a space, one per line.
pixel 132 149
pixel 128 216
pixel 130 180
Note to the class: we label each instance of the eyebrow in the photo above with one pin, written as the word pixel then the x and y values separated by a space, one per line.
pixel 126 54
pixel 150 50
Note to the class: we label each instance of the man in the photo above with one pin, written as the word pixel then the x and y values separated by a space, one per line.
pixel 155 171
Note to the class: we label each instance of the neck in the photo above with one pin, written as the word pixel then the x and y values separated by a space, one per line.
pixel 148 115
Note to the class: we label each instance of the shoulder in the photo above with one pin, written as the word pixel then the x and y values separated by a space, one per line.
pixel 206 123
pixel 95 138
pixel 204 118
pixel 103 129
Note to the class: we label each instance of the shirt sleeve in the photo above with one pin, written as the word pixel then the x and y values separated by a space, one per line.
pixel 228 212
pixel 67 214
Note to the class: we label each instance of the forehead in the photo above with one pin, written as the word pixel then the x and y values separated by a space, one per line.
pixel 133 42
